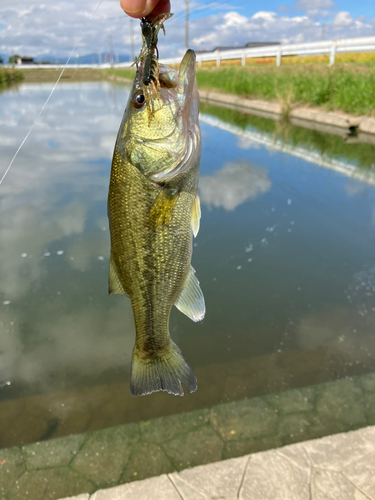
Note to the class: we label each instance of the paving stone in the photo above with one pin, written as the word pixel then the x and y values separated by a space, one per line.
pixel 53 453
pixel 246 446
pixel 198 447
pixel 147 460
pixel 156 488
pixel 336 452
pixel 329 485
pixel 49 484
pixel 244 419
pixel 296 454
pixel 367 382
pixel 361 473
pixel 270 476
pixel 160 430
pixel 293 401
pixel 342 400
pixel 11 468
pixel 189 492
pixel 220 480
pixel 106 453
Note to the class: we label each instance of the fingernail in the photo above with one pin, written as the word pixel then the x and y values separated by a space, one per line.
pixel 133 6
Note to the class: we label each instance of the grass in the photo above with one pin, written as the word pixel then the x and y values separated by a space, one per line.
pixel 9 76
pixel 343 87
pixel 347 87
pixel 47 74
pixel 122 73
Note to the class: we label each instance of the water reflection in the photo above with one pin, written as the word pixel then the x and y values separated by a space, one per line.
pixel 283 242
pixel 55 194
pixel 234 184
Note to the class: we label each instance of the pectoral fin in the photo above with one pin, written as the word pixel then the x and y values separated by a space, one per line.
pixel 114 283
pixel 191 300
pixel 196 216
pixel 162 209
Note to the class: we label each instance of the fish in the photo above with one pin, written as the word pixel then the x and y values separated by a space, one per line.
pixel 154 212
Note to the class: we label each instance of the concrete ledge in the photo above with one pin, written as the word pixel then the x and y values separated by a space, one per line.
pixel 339 467
pixel 340 120
pixel 170 446
pixel 325 121
pixel 367 125
pixel 253 106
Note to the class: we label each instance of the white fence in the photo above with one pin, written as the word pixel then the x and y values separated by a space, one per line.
pixel 331 47
pixel 312 48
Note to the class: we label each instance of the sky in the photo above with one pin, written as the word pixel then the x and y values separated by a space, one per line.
pixel 51 29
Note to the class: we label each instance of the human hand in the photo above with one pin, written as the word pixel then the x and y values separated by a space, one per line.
pixel 143 8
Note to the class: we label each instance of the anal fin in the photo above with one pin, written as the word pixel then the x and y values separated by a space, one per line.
pixel 114 283
pixel 191 300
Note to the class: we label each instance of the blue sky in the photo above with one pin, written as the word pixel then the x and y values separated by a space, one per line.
pixel 249 8
pixel 51 29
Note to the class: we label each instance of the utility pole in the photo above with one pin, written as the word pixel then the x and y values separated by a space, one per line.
pixel 323 31
pixel 187 25
pixel 131 39
pixel 110 50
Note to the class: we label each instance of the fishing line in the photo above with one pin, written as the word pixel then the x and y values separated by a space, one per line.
pixel 48 98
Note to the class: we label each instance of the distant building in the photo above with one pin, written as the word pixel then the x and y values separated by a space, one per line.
pixel 25 60
pixel 249 45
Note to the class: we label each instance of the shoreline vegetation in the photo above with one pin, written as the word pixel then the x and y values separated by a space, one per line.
pixel 9 76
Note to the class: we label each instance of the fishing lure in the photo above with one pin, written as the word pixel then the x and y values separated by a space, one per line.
pixel 148 56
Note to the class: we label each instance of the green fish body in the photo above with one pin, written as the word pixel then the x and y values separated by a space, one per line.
pixel 154 210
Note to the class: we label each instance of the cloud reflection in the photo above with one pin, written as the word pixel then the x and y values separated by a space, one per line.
pixel 234 184
pixel 55 316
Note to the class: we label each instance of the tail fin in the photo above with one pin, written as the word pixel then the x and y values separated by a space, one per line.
pixel 161 374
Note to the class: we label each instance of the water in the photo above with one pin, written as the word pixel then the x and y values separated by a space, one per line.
pixel 285 257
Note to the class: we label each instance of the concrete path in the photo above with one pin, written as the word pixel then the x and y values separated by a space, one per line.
pixel 338 467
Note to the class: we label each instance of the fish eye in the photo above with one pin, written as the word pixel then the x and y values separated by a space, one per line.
pixel 138 100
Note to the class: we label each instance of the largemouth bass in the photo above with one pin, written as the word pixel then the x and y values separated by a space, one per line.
pixel 154 211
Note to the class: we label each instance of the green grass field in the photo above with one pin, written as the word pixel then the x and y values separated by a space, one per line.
pixel 349 88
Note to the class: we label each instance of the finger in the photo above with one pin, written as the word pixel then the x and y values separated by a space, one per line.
pixel 143 8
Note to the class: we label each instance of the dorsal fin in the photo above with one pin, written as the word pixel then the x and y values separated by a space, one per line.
pixel 191 300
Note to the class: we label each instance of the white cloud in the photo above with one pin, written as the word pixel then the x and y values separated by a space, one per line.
pixel 265 16
pixel 270 26
pixel 52 29
pixel 343 19
pixel 315 4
